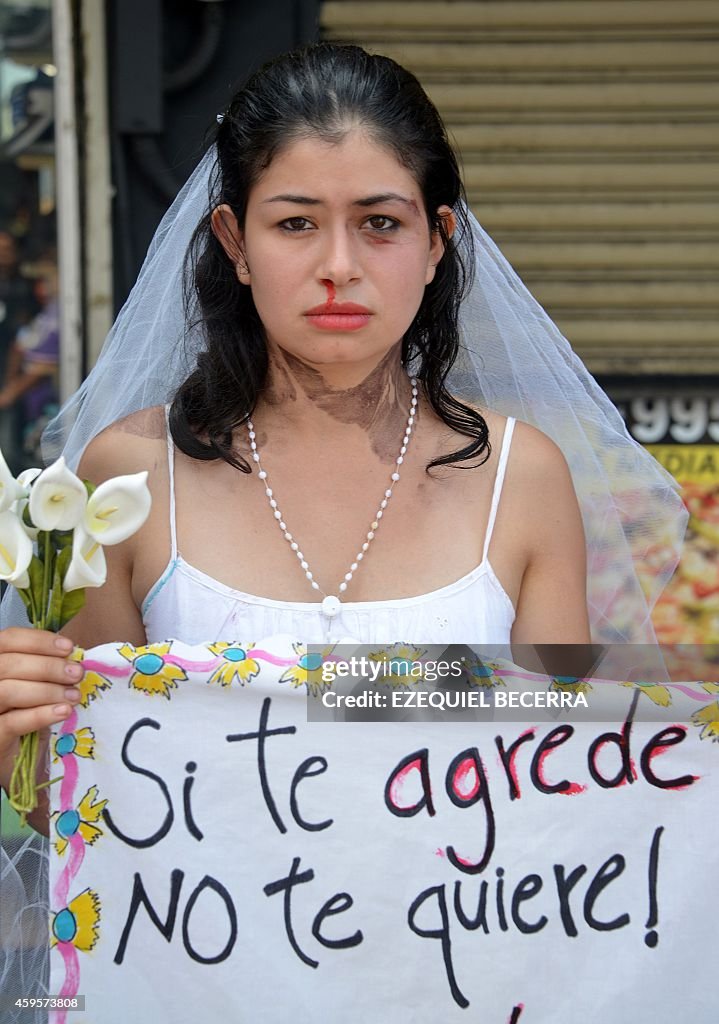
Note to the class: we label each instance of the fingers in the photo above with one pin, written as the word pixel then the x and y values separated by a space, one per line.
pixel 22 640
pixel 38 685
pixel 39 668
pixel 14 724
pixel 19 693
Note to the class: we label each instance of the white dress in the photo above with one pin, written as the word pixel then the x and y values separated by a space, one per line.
pixel 187 604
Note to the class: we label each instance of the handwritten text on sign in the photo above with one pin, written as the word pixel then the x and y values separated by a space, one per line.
pixel 385 871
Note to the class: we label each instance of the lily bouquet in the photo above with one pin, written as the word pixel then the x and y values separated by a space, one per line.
pixel 53 527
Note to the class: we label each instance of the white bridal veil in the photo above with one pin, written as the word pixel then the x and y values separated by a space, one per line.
pixel 513 360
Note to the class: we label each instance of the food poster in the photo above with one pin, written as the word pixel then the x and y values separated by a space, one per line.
pixel 682 433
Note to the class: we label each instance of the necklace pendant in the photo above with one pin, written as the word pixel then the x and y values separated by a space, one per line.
pixel 331 606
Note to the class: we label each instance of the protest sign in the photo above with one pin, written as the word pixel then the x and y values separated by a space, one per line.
pixel 218 856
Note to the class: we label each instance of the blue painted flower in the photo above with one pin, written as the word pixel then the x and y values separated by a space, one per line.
pixel 80 819
pixel 151 672
pixel 237 663
pixel 483 673
pixel 311 669
pixel 81 743
pixel 401 665
pixel 78 922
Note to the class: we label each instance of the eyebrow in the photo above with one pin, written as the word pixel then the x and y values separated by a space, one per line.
pixel 381 197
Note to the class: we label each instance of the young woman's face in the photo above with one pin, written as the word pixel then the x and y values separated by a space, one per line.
pixel 336 248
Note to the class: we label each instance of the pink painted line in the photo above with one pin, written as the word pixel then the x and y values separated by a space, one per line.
pixel 682 687
pixel 272 659
pixel 207 666
pixel 69 781
pixel 106 670
pixel 191 666
pixel 66 803
pixel 75 858
pixel 72 979
pixel 69 724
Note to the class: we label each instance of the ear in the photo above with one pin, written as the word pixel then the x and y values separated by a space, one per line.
pixel 228 233
pixel 436 249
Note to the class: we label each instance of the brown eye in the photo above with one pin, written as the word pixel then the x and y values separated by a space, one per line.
pixel 379 222
pixel 295 224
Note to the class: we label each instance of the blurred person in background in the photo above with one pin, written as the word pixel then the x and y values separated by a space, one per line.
pixel 18 305
pixel 29 393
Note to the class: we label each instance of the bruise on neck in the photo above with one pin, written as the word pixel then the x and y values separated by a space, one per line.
pixel 378 405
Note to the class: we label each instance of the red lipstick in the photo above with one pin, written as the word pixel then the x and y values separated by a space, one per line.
pixel 338 316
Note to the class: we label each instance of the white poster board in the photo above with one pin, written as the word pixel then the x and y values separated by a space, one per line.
pixel 218 857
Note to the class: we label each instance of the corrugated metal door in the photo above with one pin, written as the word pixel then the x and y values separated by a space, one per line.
pixel 589 131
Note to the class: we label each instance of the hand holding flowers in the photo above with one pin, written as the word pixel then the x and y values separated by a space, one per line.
pixel 70 521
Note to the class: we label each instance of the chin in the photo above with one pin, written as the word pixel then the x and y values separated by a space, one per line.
pixel 338 352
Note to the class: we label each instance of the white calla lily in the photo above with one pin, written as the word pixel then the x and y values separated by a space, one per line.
pixel 10 489
pixel 18 510
pixel 15 551
pixel 87 566
pixel 117 508
pixel 57 499
pixel 24 480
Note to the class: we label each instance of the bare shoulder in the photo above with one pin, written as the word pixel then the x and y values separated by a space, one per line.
pixel 135 443
pixel 533 453
pixel 537 460
pixel 540 489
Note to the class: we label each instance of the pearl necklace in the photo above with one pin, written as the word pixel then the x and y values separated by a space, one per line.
pixel 331 603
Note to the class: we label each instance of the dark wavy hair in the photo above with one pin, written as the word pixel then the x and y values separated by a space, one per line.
pixel 321 91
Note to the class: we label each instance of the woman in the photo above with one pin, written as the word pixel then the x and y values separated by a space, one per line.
pixel 328 272
pixel 337 281
pixel 338 192
pixel 315 473
pixel 336 185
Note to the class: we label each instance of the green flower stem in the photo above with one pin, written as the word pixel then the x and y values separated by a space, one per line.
pixel 23 788
pixel 50 782
pixel 22 791
pixel 45 582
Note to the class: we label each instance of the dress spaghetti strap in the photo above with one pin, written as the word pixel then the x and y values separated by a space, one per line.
pixel 174 558
pixel 498 482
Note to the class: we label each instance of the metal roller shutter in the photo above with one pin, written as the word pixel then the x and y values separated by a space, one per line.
pixel 589 133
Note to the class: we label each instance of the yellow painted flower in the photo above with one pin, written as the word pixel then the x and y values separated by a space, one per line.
pixel 569 684
pixel 656 693
pixel 152 674
pixel 236 665
pixel 81 819
pixel 78 922
pixel 81 743
pixel 400 664
pixel 708 721
pixel 311 670
pixel 92 684
pixel 483 673
pixel 711 687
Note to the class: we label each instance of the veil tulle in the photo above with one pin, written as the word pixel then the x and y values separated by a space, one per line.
pixel 513 359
